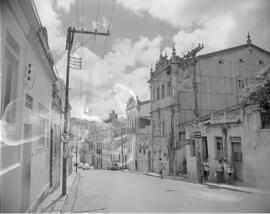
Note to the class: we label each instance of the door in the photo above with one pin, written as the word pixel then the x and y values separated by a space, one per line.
pixel 237 157
pixel 26 167
pixel 149 161
pixel 204 148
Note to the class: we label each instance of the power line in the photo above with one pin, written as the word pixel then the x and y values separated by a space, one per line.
pixel 110 24
pixel 96 24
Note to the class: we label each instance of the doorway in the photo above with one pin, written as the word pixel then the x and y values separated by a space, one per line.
pixel 237 158
pixel 149 161
pixel 204 148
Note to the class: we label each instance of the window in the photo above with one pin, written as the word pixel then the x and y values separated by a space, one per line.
pixel 181 140
pixel 29 101
pixel 237 154
pixel 43 125
pixel 221 61
pixel 169 88
pixel 154 126
pixel 158 95
pixel 240 83
pixel 9 80
pixel 144 151
pixel 182 136
pixel 219 148
pixel 162 91
pixel 261 62
pixel 154 95
pixel 192 147
pixel 265 118
pixel 163 129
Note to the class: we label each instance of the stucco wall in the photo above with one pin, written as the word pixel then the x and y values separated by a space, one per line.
pixel 257 151
pixel 143 161
pixel 191 165
pixel 40 90
pixel 216 131
pixel 180 156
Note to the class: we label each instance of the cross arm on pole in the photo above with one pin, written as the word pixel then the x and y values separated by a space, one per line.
pixel 92 32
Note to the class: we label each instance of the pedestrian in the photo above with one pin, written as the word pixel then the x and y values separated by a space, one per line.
pixel 228 171
pixel 205 170
pixel 161 168
pixel 220 172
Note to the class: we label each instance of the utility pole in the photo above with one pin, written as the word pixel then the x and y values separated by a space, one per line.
pixel 191 57
pixel 69 42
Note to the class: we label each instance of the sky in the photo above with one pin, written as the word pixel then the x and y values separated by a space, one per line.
pixel 118 67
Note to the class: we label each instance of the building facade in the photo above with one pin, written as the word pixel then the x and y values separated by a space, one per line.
pixel 236 137
pixel 139 134
pixel 215 80
pixel 27 69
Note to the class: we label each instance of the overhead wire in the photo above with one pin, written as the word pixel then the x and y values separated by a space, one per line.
pixel 96 23
pixel 110 25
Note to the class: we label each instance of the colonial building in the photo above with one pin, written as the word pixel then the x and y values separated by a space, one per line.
pixel 215 80
pixel 238 135
pixel 29 137
pixel 139 134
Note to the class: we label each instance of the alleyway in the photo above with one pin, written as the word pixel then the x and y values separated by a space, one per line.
pixel 117 191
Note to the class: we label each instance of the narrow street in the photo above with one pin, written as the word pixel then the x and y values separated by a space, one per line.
pixel 117 191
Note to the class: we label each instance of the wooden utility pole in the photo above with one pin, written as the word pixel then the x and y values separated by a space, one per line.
pixel 191 57
pixel 69 42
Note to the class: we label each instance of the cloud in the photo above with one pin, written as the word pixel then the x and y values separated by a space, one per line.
pixel 211 36
pixel 108 83
pixel 64 4
pixel 53 24
pixel 216 23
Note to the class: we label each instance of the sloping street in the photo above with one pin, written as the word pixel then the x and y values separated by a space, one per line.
pixel 117 191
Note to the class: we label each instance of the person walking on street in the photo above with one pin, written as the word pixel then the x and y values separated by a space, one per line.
pixel 228 171
pixel 161 168
pixel 205 170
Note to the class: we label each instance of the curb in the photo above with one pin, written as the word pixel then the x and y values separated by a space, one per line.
pixel 241 189
pixel 57 201
pixel 151 174
pixel 70 197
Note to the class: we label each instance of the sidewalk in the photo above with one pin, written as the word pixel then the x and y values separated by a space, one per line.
pixel 216 185
pixel 54 201
pixel 172 177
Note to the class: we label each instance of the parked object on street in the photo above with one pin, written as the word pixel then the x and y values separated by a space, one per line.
pixel 80 165
pixel 86 166
pixel 115 165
